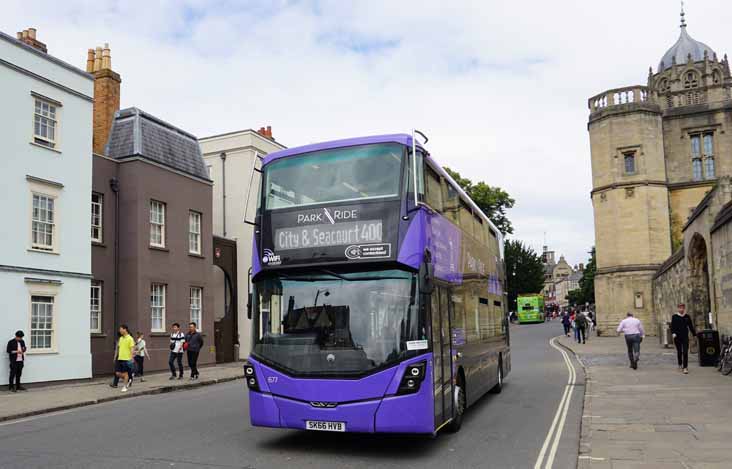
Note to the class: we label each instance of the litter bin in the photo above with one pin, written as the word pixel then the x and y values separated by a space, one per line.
pixel 708 341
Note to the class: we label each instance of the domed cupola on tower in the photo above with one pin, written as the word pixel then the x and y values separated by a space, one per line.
pixel 689 74
pixel 685 47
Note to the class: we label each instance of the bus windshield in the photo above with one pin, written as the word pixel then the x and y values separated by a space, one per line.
pixel 328 323
pixel 338 175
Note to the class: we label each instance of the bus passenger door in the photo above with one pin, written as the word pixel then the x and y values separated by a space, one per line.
pixel 442 356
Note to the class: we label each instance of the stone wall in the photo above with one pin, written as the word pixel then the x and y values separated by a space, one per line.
pixel 722 270
pixel 669 289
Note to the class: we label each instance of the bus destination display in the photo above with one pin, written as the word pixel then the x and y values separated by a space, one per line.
pixel 325 235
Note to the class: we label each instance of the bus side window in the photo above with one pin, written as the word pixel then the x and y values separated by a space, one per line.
pixel 478 230
pixel 460 310
pixel 486 317
pixel 409 174
pixel 434 189
pixel 466 217
pixel 451 203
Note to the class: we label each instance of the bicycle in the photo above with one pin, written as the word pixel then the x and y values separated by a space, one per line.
pixel 725 357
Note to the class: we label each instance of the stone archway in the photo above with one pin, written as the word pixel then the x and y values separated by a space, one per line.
pixel 698 305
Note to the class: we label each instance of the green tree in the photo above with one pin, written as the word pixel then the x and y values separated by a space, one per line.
pixel 524 271
pixel 587 282
pixel 586 291
pixel 494 201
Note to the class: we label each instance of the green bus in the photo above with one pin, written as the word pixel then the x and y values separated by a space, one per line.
pixel 530 308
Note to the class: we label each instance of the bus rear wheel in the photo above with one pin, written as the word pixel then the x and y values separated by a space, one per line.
pixel 459 406
pixel 499 379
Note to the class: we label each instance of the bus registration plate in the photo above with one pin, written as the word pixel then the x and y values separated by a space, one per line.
pixel 325 426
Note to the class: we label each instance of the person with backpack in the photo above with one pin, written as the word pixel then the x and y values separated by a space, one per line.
pixel 580 321
pixel 177 338
pixel 681 326
pixel 140 354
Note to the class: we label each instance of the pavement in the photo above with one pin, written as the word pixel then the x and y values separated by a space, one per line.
pixel 209 427
pixel 655 417
pixel 63 396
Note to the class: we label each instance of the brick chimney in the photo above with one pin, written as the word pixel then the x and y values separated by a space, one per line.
pixel 28 36
pixel 106 94
pixel 266 132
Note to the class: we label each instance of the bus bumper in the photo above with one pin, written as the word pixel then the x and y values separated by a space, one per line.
pixel 411 413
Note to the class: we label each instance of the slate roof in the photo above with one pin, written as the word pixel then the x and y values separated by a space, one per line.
pixel 576 276
pixel 136 133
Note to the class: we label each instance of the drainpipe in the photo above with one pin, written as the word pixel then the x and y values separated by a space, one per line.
pixel 223 188
pixel 114 185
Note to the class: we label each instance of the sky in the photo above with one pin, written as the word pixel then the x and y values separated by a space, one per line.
pixel 499 87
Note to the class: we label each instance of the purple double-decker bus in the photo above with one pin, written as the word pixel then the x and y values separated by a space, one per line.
pixel 375 307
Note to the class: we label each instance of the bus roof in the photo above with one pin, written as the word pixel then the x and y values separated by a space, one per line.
pixel 404 139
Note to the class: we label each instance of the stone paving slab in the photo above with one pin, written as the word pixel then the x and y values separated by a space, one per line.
pixel 653 417
pixel 53 398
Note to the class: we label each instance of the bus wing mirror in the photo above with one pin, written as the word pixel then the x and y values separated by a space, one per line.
pixel 249 293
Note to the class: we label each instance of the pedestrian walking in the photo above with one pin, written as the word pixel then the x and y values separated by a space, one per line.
pixel 177 338
pixel 580 321
pixel 140 354
pixel 681 325
pixel 16 354
pixel 193 345
pixel 634 334
pixel 125 363
pixel 567 323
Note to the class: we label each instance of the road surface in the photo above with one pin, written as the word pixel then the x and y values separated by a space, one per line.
pixel 209 427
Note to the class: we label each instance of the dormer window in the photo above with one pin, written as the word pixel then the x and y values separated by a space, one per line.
pixel 664 87
pixel 691 80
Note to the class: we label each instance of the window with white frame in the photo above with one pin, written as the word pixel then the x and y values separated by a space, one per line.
pixel 194 232
pixel 45 123
pixel 41 332
pixel 97 206
pixel 157 224
pixel 95 307
pixel 42 229
pixel 157 307
pixel 196 302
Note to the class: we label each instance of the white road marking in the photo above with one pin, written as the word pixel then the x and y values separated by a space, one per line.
pixel 555 430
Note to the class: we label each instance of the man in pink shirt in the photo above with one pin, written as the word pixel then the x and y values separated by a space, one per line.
pixel 634 333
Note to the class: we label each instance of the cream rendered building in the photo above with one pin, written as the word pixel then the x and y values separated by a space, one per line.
pixel 655 154
pixel 229 158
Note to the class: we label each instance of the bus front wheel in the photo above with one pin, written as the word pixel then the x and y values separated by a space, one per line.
pixel 499 379
pixel 459 406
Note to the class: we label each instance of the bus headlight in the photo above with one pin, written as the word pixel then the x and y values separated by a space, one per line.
pixel 251 377
pixel 413 377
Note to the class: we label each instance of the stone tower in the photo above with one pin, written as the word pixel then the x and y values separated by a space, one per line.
pixel 653 153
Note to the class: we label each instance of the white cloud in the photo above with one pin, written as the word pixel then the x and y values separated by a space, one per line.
pixel 500 87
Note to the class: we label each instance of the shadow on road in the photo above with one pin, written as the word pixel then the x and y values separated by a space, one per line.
pixel 380 446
